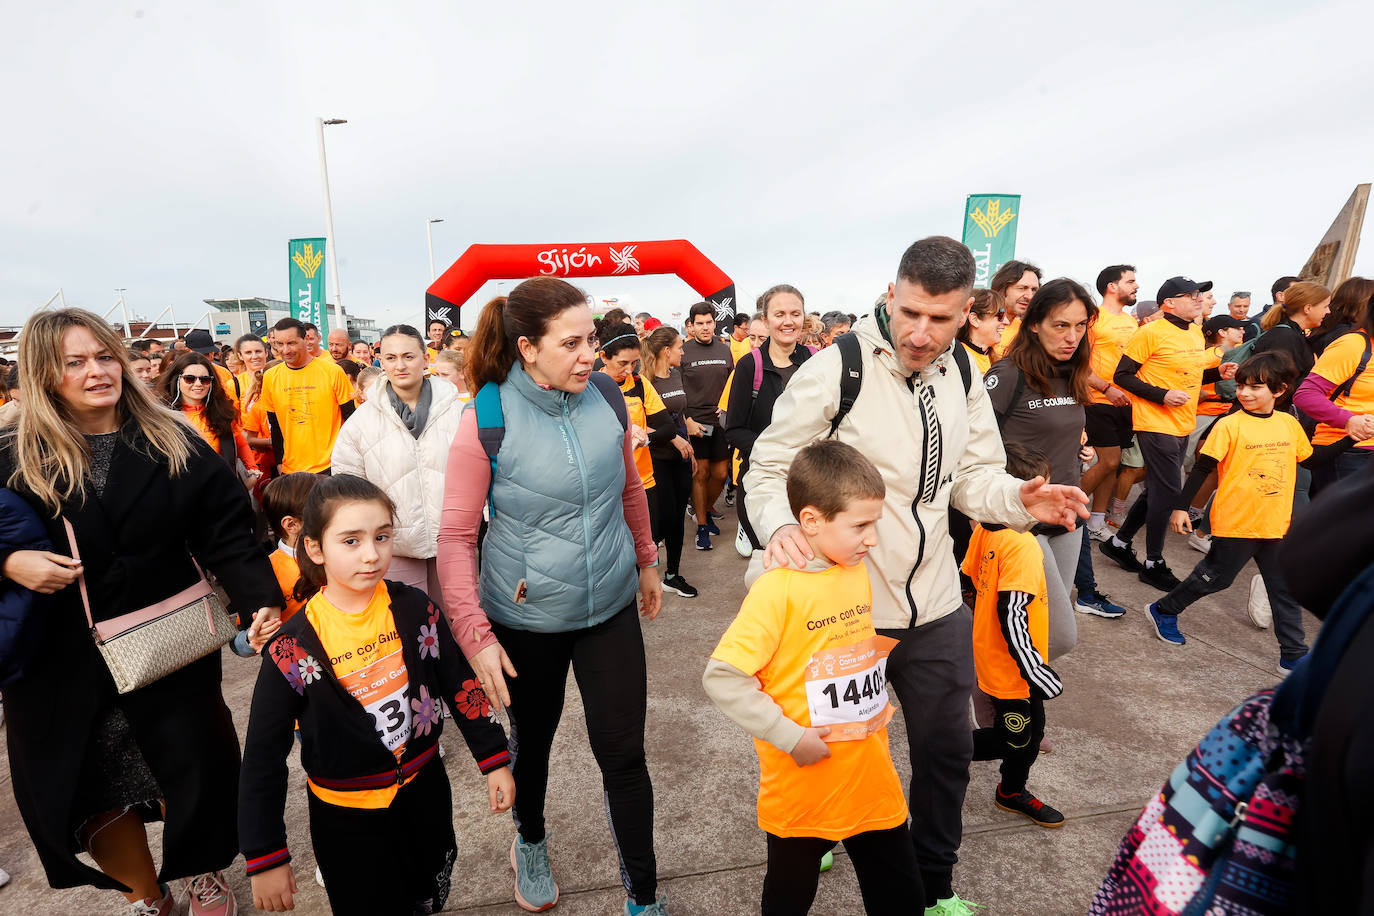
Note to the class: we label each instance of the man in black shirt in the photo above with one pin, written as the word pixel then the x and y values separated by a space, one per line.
pixel 706 365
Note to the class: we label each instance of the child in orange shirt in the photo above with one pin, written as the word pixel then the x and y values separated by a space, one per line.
pixel 283 502
pixel 1011 621
pixel 802 670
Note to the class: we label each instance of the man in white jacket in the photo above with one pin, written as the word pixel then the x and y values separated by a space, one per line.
pixel 936 443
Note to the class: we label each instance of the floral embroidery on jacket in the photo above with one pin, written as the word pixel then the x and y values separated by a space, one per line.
pixel 310 669
pixel 287 654
pixel 429 639
pixel 471 701
pixel 426 710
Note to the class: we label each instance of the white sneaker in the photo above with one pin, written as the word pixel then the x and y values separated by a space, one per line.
pixel 1103 533
pixel 1199 542
pixel 1261 615
pixel 319 876
pixel 742 545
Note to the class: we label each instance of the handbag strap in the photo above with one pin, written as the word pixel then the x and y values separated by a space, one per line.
pixel 81 577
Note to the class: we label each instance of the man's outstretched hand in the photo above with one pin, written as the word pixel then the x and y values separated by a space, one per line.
pixel 1054 504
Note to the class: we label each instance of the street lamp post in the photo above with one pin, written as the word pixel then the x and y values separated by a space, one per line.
pixel 331 248
pixel 429 236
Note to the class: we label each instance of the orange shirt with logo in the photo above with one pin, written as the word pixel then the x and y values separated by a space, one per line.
pixel 1107 338
pixel 791 625
pixel 306 402
pixel 1170 357
pixel 1258 464
pixel 1005 561
pixel 1337 363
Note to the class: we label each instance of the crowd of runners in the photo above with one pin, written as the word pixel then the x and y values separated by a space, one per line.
pixel 444 524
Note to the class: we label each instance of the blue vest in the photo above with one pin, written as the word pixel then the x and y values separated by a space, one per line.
pixel 558 521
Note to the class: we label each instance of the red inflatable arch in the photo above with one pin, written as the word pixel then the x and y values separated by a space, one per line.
pixel 445 297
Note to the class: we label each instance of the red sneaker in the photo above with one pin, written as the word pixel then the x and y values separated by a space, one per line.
pixel 210 895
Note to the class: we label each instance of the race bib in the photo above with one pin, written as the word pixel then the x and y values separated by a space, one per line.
pixel 381 689
pixel 846 689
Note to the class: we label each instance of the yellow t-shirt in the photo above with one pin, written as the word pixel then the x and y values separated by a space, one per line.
pixel 1170 357
pixel 1336 364
pixel 365 653
pixel 1258 459
pixel 739 347
pixel 1208 404
pixel 1108 337
pixel 639 410
pixel 306 402
pixel 982 360
pixel 1005 561
pixel 795 632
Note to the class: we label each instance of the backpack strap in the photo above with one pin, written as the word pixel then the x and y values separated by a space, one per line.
pixel 491 428
pixel 1343 389
pixel 758 373
pixel 965 367
pixel 614 396
pixel 851 377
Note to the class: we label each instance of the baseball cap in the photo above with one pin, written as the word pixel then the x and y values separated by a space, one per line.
pixel 652 324
pixel 1220 323
pixel 1145 308
pixel 200 341
pixel 1181 286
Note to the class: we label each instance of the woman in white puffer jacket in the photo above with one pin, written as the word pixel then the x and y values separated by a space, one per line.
pixel 399 440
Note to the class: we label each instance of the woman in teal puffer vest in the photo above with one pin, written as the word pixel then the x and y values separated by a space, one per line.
pixel 568 547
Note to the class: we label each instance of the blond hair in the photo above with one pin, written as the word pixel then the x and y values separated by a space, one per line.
pixel 51 455
pixel 1295 298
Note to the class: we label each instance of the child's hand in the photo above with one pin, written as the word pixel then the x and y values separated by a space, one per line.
pixel 266 623
pixel 500 790
pixel 1179 522
pixel 274 889
pixel 812 747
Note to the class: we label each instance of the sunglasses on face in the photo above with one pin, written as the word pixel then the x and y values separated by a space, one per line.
pixel 195 379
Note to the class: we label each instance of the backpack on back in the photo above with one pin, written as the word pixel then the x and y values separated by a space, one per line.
pixel 852 375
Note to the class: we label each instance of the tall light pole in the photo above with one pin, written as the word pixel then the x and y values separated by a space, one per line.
pixel 429 236
pixel 331 248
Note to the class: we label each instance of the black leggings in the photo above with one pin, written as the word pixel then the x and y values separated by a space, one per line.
pixel 608 662
pixel 884 862
pixel 409 847
pixel 673 484
pixel 1163 484
pixel 1014 738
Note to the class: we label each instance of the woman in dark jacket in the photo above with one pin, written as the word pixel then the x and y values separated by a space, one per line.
pixel 144 494
pixel 1286 326
pixel 748 412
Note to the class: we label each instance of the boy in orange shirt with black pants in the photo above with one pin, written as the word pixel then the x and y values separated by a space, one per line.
pixel 1011 623
pixel 802 669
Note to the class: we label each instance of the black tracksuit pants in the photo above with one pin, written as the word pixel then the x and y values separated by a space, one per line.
pixel 673 488
pixel 1014 739
pixel 1163 485
pixel 884 862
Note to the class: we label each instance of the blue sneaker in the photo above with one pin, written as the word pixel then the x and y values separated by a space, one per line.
pixel 1288 665
pixel 1166 626
pixel 535 889
pixel 1099 605
pixel 703 538
pixel 711 526
pixel 658 908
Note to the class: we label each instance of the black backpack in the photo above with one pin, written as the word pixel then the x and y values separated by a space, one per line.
pixel 852 374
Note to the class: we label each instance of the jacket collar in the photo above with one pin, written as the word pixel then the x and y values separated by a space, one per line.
pixel 443 396
pixel 873 340
pixel 1177 321
pixel 799 355
pixel 549 401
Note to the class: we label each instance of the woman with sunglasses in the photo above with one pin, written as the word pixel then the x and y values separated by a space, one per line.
pixel 983 330
pixel 191 385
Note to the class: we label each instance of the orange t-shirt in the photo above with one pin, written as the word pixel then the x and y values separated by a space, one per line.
pixel 226 381
pixel 1337 363
pixel 1208 404
pixel 306 402
pixel 1005 561
pixel 288 573
pixel 982 360
pixel 639 410
pixel 1008 335
pixel 1170 357
pixel 1108 337
pixel 196 415
pixel 365 653
pixel 1258 464
pixel 809 639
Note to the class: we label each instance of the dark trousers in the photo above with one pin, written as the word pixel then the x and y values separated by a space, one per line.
pixel 395 860
pixel 1163 484
pixel 930 671
pixel 1218 570
pixel 673 486
pixel 608 662
pixel 1014 739
pixel 1083 577
pixel 655 516
pixel 742 507
pixel 1347 464
pixel 884 862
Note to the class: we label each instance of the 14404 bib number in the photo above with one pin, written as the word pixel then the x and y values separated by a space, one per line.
pixel 846 688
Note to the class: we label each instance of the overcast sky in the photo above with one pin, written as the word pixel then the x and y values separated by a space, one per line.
pixel 169 148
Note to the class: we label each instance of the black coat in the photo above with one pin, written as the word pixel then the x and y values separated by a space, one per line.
pixel 743 425
pixel 136 542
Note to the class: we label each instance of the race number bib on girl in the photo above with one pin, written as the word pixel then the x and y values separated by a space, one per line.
pixel 846 688
pixel 381 689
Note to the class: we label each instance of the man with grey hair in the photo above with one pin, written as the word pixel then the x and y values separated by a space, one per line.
pixel 1239 307
pixel 833 324
pixel 930 429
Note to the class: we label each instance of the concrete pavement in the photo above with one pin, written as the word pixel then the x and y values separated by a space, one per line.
pixel 1131 709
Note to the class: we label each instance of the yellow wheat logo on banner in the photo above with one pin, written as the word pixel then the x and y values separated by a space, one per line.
pixel 308 260
pixel 991 221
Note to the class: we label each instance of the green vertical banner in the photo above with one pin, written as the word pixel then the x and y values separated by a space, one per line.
pixel 306 258
pixel 990 232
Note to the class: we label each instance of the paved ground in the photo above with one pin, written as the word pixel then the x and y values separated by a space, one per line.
pixel 1132 707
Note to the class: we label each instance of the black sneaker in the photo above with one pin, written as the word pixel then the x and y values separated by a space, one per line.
pixel 1160 576
pixel 675 583
pixel 1025 803
pixel 729 496
pixel 713 514
pixel 1122 556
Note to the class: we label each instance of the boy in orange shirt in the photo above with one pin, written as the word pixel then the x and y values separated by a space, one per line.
pixel 802 669
pixel 1011 621
pixel 283 502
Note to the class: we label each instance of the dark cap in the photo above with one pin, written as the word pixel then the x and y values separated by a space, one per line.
pixel 1145 308
pixel 1220 323
pixel 200 341
pixel 1181 286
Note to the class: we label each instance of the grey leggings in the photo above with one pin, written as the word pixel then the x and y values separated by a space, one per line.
pixel 1061 561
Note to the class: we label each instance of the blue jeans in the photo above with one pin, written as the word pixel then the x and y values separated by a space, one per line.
pixel 1083 578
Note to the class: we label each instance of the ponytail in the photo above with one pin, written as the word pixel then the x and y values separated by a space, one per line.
pixel 1272 317
pixel 526 312
pixel 491 354
pixel 1296 297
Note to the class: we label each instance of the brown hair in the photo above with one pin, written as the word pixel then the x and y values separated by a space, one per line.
pixel 1028 354
pixel 526 312
pixel 286 495
pixel 987 303
pixel 1026 462
pixel 219 411
pixel 655 345
pixel 1350 303
pixel 324 500
pixel 772 291
pixel 828 476
pixel 1295 298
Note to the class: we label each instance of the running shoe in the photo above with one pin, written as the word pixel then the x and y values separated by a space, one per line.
pixel 535 889
pixel 1099 605
pixel 1257 605
pixel 675 583
pixel 1288 665
pixel 1101 533
pixel 658 908
pixel 711 527
pixel 1027 804
pixel 691 510
pixel 953 906
pixel 1122 556
pixel 714 514
pixel 150 906
pixel 319 876
pixel 1166 626
pixel 729 496
pixel 1160 576
pixel 1199 542
pixel 742 545
pixel 210 895
pixel 827 861
pixel 703 538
